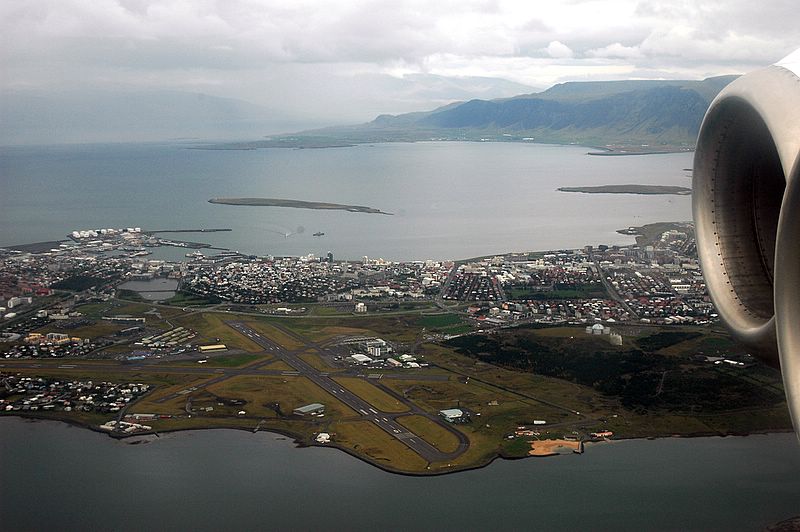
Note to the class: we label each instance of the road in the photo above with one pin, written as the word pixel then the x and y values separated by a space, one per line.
pixel 613 292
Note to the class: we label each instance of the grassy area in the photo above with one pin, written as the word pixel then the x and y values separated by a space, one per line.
pixel 130 295
pixel 150 403
pixel 451 324
pixel 401 328
pixel 561 332
pixel 279 365
pixel 316 362
pixel 213 329
pixel 651 233
pixel 131 309
pixel 234 361
pixel 92 330
pixel 318 330
pixel 365 438
pixel 373 395
pixel 431 432
pixel 510 383
pixel 438 321
pixel 289 392
pixel 663 339
pixel 224 361
pixel 321 310
pixel 94 310
pixel 267 330
pixel 458 329
pixel 187 299
pixel 495 413
pixel 708 343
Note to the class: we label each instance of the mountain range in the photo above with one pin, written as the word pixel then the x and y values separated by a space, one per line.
pixel 640 114
pixel 627 113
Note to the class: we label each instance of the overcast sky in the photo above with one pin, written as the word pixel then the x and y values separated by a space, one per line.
pixel 277 53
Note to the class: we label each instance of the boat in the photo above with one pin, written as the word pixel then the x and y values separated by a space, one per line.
pixel 319 234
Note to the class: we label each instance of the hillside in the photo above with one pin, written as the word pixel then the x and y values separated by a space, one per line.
pixel 626 112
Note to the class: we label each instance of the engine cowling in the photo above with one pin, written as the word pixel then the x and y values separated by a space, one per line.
pixel 746 206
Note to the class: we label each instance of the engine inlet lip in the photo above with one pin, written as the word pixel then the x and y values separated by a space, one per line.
pixel 750 328
pixel 773 95
pixel 787 293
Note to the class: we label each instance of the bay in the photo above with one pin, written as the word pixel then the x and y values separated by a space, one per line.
pixel 55 476
pixel 449 199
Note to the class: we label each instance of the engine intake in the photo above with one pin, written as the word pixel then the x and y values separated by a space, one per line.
pixel 746 205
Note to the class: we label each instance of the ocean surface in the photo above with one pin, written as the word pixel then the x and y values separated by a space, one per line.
pixel 57 477
pixel 449 199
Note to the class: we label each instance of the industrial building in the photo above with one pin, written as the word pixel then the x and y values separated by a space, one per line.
pixel 455 415
pixel 212 347
pixel 310 410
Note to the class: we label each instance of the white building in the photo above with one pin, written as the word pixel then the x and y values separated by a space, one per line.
pixel 454 415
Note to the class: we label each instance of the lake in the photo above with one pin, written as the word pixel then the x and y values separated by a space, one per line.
pixel 449 199
pixel 54 476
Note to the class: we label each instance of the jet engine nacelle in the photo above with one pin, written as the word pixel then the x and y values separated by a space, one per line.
pixel 746 204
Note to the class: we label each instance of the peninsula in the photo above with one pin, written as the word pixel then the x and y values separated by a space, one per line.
pixel 426 377
pixel 296 204
pixel 630 189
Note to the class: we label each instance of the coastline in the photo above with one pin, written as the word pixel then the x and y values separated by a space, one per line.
pixel 301 443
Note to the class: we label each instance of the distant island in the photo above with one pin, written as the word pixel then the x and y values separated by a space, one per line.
pixel 630 189
pixel 297 204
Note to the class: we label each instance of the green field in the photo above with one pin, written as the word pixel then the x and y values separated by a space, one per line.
pixel 187 299
pixel 223 361
pixel 431 432
pixel 372 394
pixel 439 321
pixel 316 362
pixel 267 330
pixel 288 392
pixel 212 329
pixel 365 439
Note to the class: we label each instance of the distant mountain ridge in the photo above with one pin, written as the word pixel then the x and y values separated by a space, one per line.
pixel 666 113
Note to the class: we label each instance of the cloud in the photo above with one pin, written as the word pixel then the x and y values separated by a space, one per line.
pixel 616 51
pixel 269 50
pixel 559 50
